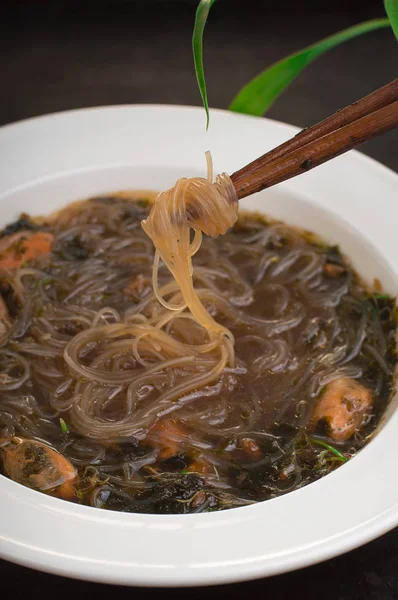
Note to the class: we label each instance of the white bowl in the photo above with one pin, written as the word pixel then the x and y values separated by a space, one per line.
pixel 352 201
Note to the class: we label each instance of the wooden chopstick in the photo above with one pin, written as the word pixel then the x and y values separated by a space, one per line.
pixel 360 122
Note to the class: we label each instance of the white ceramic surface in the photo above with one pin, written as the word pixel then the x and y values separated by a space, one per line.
pixel 47 162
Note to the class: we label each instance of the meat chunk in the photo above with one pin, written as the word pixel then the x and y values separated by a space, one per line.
pixel 172 439
pixel 23 246
pixel 199 465
pixel 167 435
pixel 342 406
pixel 39 467
pixel 251 448
pixel 333 271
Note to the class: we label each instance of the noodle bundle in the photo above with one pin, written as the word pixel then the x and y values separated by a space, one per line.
pixel 192 203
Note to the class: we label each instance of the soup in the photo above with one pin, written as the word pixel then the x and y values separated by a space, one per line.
pixel 115 395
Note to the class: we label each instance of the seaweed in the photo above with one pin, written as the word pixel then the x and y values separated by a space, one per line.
pixel 24 223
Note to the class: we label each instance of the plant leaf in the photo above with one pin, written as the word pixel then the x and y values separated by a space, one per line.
pixel 64 426
pixel 262 91
pixel 329 448
pixel 202 12
pixel 391 7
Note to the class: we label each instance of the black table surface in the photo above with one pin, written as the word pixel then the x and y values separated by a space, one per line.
pixel 61 55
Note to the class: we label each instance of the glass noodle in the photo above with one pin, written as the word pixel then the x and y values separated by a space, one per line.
pixel 194 203
pixel 178 389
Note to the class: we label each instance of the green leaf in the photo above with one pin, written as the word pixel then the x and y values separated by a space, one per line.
pixel 329 448
pixel 202 12
pixel 64 426
pixel 262 91
pixel 391 7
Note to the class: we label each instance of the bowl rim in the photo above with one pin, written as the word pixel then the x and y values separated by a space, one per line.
pixel 198 566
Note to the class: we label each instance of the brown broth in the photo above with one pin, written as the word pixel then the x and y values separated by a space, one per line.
pixel 301 318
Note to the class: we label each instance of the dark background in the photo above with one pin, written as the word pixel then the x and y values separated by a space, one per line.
pixel 61 55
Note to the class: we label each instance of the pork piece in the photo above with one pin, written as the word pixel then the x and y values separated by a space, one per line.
pixel 342 406
pixel 39 467
pixel 24 246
